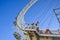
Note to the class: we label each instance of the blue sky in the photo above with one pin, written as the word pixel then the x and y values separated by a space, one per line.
pixel 42 11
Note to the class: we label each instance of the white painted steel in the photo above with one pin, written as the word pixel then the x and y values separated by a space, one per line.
pixel 20 18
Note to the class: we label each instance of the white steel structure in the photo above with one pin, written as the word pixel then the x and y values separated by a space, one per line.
pixel 20 18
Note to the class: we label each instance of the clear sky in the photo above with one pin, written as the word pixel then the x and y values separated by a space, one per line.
pixel 42 11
